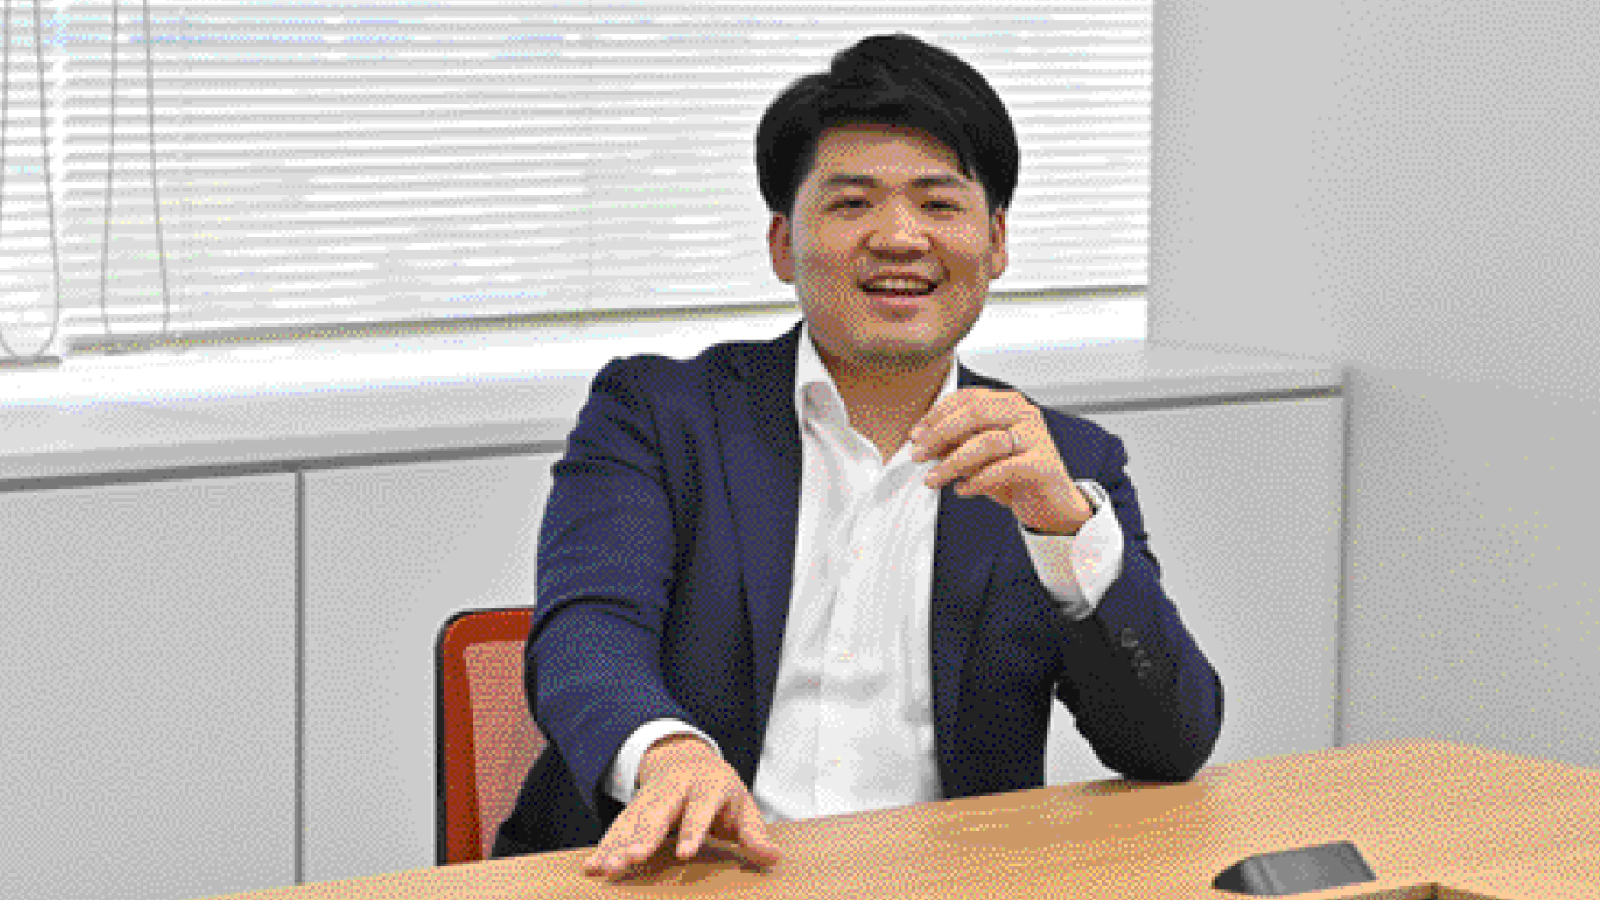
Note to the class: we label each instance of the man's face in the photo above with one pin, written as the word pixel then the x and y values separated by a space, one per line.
pixel 890 248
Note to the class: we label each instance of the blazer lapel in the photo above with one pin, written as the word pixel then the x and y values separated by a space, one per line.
pixel 761 458
pixel 966 538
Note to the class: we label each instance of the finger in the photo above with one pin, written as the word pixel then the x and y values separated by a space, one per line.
pixel 943 428
pixel 943 408
pixel 754 841
pixel 606 862
pixel 959 416
pixel 995 480
pixel 638 831
pixel 979 451
pixel 701 810
pixel 652 830
pixel 610 858
pixel 610 843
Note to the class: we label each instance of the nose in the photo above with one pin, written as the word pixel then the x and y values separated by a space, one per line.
pixel 897 231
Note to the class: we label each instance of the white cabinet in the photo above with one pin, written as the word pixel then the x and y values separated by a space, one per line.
pixel 1243 506
pixel 147 721
pixel 391 551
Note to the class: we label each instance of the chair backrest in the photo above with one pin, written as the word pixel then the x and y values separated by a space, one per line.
pixel 486 738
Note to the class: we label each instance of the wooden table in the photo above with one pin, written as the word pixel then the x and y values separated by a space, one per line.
pixel 1433 819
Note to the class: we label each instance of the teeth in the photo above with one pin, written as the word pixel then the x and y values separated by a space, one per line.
pixel 912 285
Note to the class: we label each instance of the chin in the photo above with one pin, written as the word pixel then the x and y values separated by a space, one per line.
pixel 903 353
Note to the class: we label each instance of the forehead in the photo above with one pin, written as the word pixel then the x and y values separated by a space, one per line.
pixel 885 153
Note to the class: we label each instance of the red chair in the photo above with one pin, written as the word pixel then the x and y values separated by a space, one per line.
pixel 486 738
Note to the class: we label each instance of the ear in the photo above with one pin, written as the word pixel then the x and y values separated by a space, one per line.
pixel 778 246
pixel 998 255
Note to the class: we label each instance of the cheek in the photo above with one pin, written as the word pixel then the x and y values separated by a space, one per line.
pixel 827 275
pixel 823 252
pixel 823 278
pixel 980 261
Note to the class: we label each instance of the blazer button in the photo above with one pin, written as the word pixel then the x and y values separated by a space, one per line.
pixel 1130 638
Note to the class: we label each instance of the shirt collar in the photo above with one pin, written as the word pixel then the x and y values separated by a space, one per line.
pixel 812 379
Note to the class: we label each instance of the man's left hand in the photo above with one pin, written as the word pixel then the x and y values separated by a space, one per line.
pixel 995 444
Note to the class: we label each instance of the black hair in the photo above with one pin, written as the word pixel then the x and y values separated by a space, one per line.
pixel 889 80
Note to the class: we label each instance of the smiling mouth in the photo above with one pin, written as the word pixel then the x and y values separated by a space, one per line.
pixel 899 287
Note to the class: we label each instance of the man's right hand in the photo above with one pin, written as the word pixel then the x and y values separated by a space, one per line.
pixel 684 787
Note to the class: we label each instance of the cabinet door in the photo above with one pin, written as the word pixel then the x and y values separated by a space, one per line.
pixel 1243 506
pixel 147 713
pixel 391 552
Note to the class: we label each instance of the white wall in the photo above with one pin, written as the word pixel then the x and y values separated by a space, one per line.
pixel 1411 188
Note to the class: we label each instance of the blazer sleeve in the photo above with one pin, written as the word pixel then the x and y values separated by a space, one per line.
pixel 1142 692
pixel 605 577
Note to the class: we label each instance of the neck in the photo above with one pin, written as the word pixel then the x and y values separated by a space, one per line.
pixel 885 403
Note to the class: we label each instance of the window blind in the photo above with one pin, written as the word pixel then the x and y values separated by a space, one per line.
pixel 243 164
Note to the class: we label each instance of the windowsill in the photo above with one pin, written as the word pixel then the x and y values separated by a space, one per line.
pixel 354 398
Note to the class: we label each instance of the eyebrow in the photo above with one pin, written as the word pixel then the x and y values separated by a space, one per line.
pixel 867 181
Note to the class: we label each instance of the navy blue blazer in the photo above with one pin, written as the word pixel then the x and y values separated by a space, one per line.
pixel 664 572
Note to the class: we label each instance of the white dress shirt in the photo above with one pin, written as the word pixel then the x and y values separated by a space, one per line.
pixel 851 726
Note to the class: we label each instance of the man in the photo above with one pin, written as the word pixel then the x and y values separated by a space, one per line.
pixel 839 571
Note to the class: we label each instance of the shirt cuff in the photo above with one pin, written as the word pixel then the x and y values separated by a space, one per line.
pixel 625 767
pixel 1078 569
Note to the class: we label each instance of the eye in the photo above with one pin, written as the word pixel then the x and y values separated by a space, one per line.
pixel 943 205
pixel 848 203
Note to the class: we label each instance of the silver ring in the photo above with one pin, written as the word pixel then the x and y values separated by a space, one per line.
pixel 1015 447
